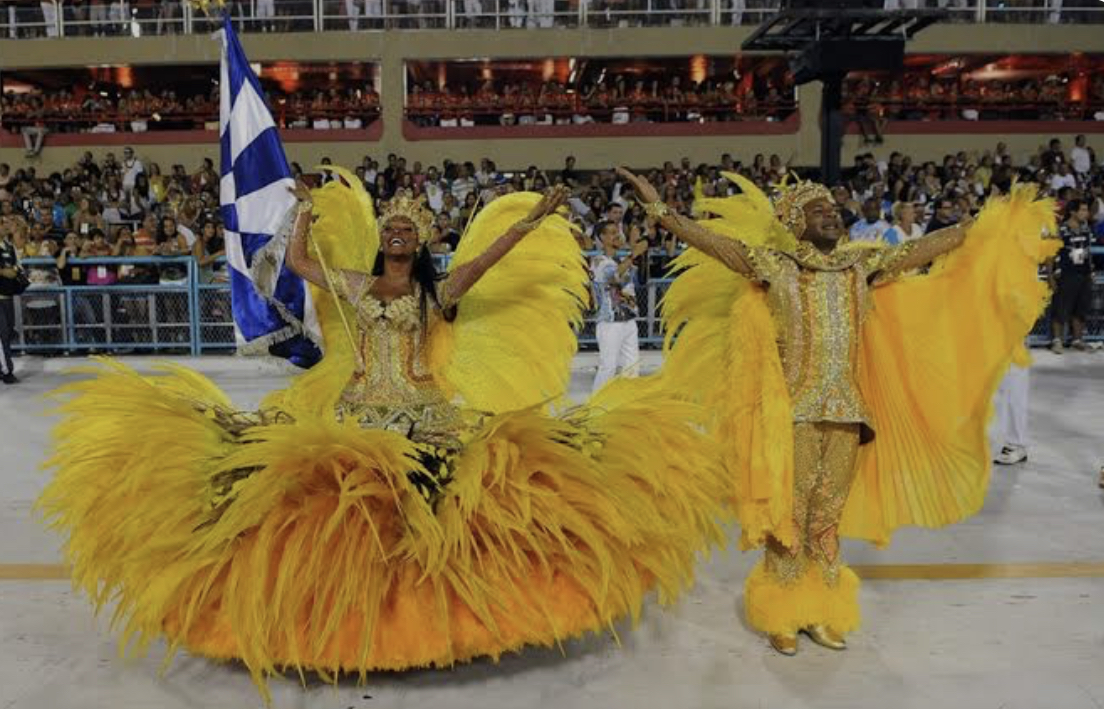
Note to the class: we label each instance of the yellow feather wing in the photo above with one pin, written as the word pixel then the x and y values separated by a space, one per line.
pixel 721 351
pixel 929 369
pixel 513 338
pixel 345 236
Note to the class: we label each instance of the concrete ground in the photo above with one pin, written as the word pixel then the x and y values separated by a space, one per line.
pixel 1004 611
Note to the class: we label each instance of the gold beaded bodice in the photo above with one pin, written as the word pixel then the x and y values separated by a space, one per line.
pixel 395 388
pixel 819 302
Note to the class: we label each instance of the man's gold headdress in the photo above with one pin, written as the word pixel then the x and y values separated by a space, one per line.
pixel 401 206
pixel 790 203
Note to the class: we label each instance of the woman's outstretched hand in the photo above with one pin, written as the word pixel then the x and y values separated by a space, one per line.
pixel 301 191
pixel 552 200
pixel 645 191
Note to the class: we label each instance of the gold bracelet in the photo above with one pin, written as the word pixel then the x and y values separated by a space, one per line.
pixel 657 210
pixel 305 207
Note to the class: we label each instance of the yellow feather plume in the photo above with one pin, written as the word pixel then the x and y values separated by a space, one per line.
pixel 513 339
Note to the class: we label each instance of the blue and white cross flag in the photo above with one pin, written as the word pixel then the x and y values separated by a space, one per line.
pixel 273 311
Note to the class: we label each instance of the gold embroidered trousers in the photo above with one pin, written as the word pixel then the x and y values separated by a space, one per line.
pixel 808 584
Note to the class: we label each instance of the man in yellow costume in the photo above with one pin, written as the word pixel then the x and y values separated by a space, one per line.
pixel 849 391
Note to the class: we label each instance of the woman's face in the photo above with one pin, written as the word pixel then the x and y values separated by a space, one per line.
pixel 169 225
pixel 399 238
pixel 85 205
pixel 209 230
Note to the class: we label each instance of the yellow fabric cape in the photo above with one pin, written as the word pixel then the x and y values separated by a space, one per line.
pixel 934 349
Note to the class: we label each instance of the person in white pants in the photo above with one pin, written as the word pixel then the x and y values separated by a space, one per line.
pixel 1010 434
pixel 352 11
pixel 613 280
pixel 50 16
pixel 266 10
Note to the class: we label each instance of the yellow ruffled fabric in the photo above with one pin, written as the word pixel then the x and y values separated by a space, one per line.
pixel 326 557
pixel 934 350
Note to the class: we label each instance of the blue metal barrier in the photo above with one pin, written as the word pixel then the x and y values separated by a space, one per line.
pixel 114 317
pixel 195 318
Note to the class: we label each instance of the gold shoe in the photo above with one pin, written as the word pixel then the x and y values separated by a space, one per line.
pixel 826 637
pixel 784 643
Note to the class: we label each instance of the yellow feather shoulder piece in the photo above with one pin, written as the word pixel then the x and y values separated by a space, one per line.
pixel 345 236
pixel 513 338
pixel 721 352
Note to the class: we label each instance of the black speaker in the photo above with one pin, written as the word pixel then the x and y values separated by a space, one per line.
pixel 839 56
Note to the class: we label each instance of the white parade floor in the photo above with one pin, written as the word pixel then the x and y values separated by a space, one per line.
pixel 1032 638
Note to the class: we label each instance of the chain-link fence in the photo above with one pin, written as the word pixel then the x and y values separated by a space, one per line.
pixel 110 318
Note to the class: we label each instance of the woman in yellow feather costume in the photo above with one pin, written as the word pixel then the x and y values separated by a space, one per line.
pixel 849 392
pixel 363 520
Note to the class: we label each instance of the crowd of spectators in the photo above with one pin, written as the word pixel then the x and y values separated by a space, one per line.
pixel 870 102
pixel 125 207
pixel 873 102
pixel 621 100
pixel 138 111
pixel 39 18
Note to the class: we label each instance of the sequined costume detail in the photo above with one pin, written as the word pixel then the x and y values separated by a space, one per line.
pixel 396 389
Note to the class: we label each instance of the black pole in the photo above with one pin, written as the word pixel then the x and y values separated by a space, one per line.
pixel 831 127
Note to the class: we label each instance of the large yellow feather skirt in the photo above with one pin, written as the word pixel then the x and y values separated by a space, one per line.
pixel 321 553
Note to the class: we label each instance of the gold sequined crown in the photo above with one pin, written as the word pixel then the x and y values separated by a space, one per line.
pixel 790 203
pixel 413 209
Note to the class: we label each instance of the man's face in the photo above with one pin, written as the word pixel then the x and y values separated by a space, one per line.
pixel 871 211
pixel 822 221
pixel 128 153
pixel 616 213
pixel 945 211
pixel 611 236
pixel 1082 213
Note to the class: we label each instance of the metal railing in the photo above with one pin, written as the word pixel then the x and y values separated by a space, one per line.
pixel 124 18
pixel 116 317
pixel 188 316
